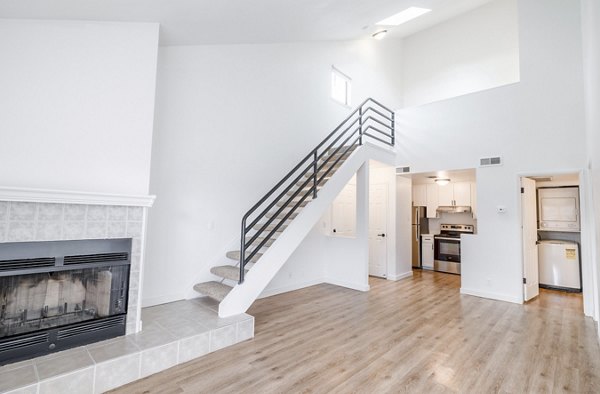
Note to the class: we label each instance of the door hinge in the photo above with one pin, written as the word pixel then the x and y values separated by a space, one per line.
pixel 522 190
pixel 524 281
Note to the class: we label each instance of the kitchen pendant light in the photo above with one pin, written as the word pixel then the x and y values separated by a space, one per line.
pixel 442 181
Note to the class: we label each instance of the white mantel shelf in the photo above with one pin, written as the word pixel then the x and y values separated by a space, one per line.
pixel 73 197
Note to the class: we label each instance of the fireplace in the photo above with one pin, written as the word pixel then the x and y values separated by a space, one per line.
pixel 55 295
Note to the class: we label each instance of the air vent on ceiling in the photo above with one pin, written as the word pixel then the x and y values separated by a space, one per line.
pixel 402 170
pixel 490 161
pixel 95 258
pixel 22 264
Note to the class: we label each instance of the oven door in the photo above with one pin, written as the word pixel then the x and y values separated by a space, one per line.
pixel 447 255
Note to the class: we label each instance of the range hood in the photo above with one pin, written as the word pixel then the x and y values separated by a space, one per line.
pixel 454 209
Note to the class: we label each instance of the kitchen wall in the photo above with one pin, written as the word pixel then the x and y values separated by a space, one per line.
pixel 451 218
pixel 77 103
pixel 231 120
pixel 475 51
pixel 536 126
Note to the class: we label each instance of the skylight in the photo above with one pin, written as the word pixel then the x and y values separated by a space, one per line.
pixel 404 16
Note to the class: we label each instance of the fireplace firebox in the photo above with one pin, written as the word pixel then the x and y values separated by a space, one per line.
pixel 56 295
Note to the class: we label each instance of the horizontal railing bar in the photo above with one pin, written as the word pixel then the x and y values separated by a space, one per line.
pixel 379 104
pixel 379 131
pixel 324 163
pixel 277 186
pixel 319 157
pixel 341 124
pixel 330 156
pixel 378 113
pixel 378 139
pixel 268 237
pixel 262 200
pixel 346 151
pixel 278 198
pixel 254 236
pixel 276 228
pixel 378 121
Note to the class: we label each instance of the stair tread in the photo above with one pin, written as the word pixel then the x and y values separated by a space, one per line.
pixel 270 227
pixel 294 202
pixel 343 148
pixel 227 272
pixel 282 215
pixel 235 255
pixel 215 290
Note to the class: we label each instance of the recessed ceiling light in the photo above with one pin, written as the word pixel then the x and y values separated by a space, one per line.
pixel 404 16
pixel 380 34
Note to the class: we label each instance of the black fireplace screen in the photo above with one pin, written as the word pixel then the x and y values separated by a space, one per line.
pixel 56 295
pixel 39 301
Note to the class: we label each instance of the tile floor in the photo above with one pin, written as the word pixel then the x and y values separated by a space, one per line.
pixel 172 334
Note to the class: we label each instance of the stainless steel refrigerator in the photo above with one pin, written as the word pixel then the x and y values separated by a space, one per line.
pixel 420 225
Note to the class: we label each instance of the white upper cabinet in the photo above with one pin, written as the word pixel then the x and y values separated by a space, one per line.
pixel 432 200
pixel 419 195
pixel 462 194
pixel 455 194
pixel 445 195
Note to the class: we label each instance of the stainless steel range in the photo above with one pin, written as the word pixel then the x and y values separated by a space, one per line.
pixel 447 247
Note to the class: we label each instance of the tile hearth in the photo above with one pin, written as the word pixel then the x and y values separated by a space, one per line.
pixel 172 334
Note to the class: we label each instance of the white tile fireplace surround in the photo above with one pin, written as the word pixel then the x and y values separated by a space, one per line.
pixel 40 215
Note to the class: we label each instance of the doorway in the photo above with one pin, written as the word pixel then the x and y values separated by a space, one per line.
pixel 378 229
pixel 551 215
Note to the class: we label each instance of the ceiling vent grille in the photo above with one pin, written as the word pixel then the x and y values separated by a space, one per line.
pixel 402 170
pixel 490 161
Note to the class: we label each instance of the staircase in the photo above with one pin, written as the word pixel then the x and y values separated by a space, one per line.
pixel 273 228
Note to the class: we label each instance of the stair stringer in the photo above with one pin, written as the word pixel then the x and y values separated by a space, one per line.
pixel 241 297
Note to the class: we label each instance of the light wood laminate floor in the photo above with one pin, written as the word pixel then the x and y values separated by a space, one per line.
pixel 417 336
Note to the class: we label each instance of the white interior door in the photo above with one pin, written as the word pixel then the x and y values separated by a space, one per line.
pixel 378 206
pixel 530 251
pixel 343 212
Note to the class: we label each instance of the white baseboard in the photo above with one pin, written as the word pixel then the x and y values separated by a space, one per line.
pixel 491 296
pixel 284 289
pixel 408 274
pixel 349 285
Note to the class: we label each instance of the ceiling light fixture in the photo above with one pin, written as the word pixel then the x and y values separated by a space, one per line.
pixel 442 181
pixel 380 34
pixel 404 16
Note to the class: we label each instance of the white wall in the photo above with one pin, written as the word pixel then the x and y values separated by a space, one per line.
pixel 403 227
pixel 475 51
pixel 77 103
pixel 590 14
pixel 230 122
pixel 535 125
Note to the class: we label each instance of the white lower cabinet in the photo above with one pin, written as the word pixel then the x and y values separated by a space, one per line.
pixel 427 251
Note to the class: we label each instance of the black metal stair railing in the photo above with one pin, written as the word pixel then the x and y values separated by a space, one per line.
pixel 371 120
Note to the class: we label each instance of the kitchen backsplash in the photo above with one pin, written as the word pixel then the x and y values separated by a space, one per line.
pixel 451 218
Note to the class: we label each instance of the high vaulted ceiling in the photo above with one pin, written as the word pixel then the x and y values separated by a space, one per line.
pixel 193 22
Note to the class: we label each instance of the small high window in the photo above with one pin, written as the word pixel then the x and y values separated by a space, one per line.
pixel 341 85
